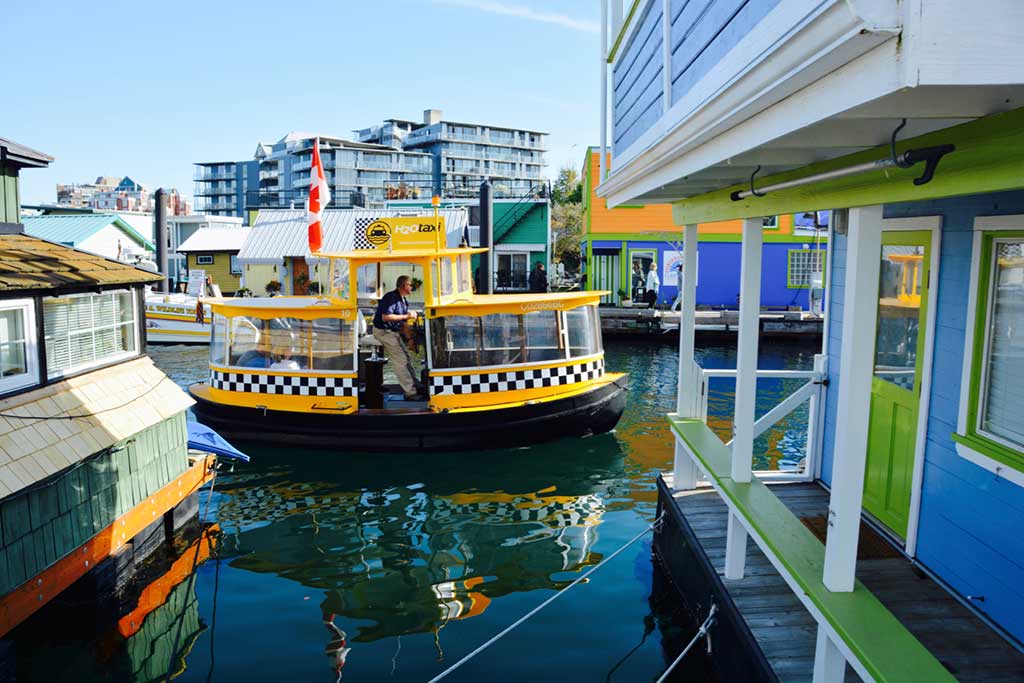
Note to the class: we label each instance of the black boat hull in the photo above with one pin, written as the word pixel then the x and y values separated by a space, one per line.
pixel 592 412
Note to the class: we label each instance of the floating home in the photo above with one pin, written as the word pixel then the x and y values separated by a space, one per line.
pixel 621 243
pixel 895 554
pixel 94 466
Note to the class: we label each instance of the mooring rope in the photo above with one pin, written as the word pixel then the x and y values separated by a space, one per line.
pixel 547 602
pixel 701 632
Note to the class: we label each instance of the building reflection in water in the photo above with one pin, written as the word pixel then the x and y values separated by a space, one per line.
pixel 410 558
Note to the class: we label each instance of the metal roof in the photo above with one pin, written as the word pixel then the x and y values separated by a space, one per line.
pixel 73 229
pixel 282 233
pixel 21 155
pixel 215 239
pixel 32 264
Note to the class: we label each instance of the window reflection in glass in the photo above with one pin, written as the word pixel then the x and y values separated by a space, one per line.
pixel 584 337
pixel 899 308
pixel 1003 388
pixel 502 339
pixel 542 337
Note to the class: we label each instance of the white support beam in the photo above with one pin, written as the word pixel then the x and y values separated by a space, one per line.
pixel 856 367
pixel 746 349
pixel 688 386
pixel 829 663
pixel 604 93
pixel 735 538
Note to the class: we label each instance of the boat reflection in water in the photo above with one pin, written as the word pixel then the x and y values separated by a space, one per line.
pixel 410 558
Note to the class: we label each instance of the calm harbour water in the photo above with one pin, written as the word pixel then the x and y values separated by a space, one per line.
pixel 420 558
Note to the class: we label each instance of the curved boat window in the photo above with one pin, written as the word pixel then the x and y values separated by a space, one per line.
pixel 542 337
pixel 502 339
pixel 496 339
pixel 446 276
pixel 465 273
pixel 291 344
pixel 584 335
pixel 368 281
pixel 218 340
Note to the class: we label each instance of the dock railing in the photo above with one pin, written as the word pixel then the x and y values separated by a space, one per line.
pixel 811 392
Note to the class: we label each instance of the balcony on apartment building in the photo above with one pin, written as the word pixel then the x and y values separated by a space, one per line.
pixel 210 173
pixel 215 189
pixel 214 203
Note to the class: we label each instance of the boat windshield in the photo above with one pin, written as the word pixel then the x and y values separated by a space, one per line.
pixel 462 341
pixel 283 344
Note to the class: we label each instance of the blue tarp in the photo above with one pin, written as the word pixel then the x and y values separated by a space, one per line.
pixel 202 438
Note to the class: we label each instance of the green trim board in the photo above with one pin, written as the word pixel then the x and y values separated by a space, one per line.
pixel 873 634
pixel 973 439
pixel 622 31
pixel 984 161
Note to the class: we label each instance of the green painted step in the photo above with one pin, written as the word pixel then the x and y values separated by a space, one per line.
pixel 876 637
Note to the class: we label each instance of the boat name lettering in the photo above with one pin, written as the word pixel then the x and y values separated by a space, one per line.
pixel 169 309
pixel 542 306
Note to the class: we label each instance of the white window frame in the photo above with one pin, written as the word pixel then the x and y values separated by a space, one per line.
pixel 106 360
pixel 234 266
pixel 201 262
pixel 982 225
pixel 31 376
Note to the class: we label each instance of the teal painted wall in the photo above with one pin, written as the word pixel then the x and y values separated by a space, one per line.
pixel 40 525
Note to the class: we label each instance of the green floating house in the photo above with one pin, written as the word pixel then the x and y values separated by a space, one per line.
pixel 93 438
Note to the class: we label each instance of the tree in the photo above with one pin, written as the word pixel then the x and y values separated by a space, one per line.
pixel 567 230
pixel 567 187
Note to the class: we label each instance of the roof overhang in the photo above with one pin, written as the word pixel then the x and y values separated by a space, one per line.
pixel 817 81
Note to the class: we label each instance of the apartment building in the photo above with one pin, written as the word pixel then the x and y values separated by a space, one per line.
pixel 108 193
pixel 221 186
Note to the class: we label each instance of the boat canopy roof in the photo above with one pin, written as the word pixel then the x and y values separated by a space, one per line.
pixel 487 304
pixel 375 255
pixel 269 308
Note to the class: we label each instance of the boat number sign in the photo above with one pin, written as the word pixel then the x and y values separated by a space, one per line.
pixel 403 232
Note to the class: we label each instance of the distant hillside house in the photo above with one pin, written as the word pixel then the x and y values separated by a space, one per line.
pixel 106 234
pixel 215 252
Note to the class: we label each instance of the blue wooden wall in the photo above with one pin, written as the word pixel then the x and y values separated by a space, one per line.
pixel 637 80
pixel 969 533
pixel 704 31
pixel 718 283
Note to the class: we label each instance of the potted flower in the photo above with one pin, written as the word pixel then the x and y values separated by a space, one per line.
pixel 624 300
pixel 273 287
pixel 416 283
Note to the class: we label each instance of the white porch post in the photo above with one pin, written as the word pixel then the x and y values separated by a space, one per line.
pixel 856 365
pixel 604 90
pixel 746 385
pixel 688 399
pixel 829 663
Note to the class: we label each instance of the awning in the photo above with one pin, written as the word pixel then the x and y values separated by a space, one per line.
pixel 202 438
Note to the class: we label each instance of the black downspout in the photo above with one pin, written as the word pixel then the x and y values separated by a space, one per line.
pixel 140 304
pixel 486 286
pixel 44 372
pixel 160 236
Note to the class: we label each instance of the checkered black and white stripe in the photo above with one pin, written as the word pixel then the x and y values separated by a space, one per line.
pixel 516 379
pixel 309 385
pixel 359 240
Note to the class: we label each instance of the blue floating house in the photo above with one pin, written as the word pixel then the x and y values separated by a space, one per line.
pixel 891 551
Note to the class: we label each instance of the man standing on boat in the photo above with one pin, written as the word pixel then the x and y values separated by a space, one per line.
pixel 392 312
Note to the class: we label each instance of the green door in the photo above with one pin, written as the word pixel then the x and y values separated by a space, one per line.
pixel 896 385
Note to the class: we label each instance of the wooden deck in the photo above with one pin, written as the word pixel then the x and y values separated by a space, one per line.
pixel 785 630
pixel 639 320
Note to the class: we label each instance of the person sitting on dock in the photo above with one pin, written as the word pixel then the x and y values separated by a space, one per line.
pixel 392 312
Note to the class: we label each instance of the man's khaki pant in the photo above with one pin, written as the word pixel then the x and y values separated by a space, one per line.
pixel 401 362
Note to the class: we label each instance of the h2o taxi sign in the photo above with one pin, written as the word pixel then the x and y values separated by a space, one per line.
pixel 407 232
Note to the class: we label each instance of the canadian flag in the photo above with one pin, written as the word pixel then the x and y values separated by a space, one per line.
pixel 319 198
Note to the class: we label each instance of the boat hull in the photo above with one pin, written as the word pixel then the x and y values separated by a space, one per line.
pixel 591 412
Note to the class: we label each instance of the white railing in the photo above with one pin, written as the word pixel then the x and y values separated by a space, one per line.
pixel 812 391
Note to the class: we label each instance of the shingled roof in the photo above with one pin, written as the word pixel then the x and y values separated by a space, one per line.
pixel 31 265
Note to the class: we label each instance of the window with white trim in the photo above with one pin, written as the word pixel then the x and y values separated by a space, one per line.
pixel 802 264
pixel 1001 392
pixel 204 259
pixel 18 365
pixel 770 222
pixel 236 267
pixel 85 330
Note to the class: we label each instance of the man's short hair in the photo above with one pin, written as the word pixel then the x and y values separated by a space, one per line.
pixel 402 279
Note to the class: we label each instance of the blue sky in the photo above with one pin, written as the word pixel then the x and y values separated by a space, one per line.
pixel 147 89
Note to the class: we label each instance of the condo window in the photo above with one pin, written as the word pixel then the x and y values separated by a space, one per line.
pixel 86 330
pixel 18 366
pixel 1002 367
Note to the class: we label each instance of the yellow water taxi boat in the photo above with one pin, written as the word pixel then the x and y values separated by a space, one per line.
pixel 499 370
